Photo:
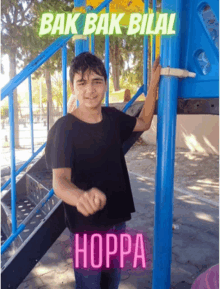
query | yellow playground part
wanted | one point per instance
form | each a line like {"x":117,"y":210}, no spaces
{"x":121,"y":6}
{"x":127,"y":7}
{"x":157,"y":44}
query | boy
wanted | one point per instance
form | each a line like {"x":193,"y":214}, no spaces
{"x":84,"y":149}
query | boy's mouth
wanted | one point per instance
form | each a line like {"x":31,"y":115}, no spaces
{"x":91,"y":97}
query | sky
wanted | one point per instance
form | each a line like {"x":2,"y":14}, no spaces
{"x":5,"y":77}
{"x":22,"y":88}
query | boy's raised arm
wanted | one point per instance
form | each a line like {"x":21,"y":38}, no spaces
{"x":146,"y":115}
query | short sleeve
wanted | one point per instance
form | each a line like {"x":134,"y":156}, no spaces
{"x":126,"y":124}
{"x":59,"y":149}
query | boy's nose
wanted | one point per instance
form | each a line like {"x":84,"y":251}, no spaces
{"x":90,"y":88}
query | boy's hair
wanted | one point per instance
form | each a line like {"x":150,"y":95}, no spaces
{"x":86,"y":61}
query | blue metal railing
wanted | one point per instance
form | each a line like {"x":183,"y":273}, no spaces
{"x":13,"y":177}
{"x":60,"y":43}
{"x":24,"y":165}
{"x":131,"y":101}
{"x":7,"y":90}
{"x":43,"y":57}
{"x":31,"y":114}
{"x":25,"y":221}
{"x":34,"y":65}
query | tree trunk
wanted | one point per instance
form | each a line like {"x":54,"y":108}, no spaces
{"x":114,"y":54}
{"x":49,"y":96}
{"x":12,"y":73}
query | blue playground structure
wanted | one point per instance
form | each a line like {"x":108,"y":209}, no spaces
{"x":195,"y":48}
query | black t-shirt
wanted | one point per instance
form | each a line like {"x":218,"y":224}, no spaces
{"x":94,"y":153}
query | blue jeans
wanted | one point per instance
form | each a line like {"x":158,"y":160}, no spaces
{"x":100,"y":279}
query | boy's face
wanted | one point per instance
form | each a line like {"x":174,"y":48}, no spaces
{"x":89,"y":90}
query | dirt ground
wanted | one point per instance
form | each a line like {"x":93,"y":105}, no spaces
{"x":195,"y":173}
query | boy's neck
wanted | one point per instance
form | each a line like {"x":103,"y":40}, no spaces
{"x":93,"y":115}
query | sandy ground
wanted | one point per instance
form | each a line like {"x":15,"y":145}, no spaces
{"x":195,"y":173}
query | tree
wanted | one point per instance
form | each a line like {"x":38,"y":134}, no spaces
{"x":57,"y":82}
{"x":16,"y":14}
{"x":36,"y":44}
{"x":126,"y":57}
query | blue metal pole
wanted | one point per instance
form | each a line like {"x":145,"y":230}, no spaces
{"x":13,"y":236}
{"x":80,"y":44}
{"x":166,"y":129}
{"x":154,"y":37}
{"x":107,"y":61}
{"x":64,"y":70}
{"x":102,"y":6}
{"x":93,"y":44}
{"x":13,"y":169}
{"x":145,"y":52}
{"x":86,"y":44}
{"x":31,"y":114}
